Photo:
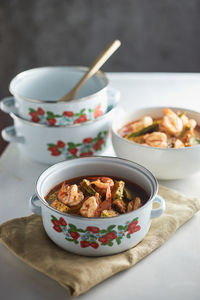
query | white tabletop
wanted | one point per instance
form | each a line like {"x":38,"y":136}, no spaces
{"x":171,"y":272}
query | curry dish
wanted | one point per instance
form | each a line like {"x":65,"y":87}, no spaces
{"x":173,"y":130}
{"x":96,"y":196}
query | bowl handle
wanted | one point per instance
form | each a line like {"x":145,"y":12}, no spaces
{"x":9,"y":135}
{"x":36,"y":209}
{"x":8,"y":105}
{"x":113,"y":94}
{"x":157,"y":212}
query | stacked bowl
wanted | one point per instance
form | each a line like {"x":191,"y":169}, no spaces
{"x":50,"y":131}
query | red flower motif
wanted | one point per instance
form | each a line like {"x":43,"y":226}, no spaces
{"x":73,"y":151}
{"x":51,"y":122}
{"x":34,"y":116}
{"x":84,"y":244}
{"x":89,"y":153}
{"x":87,"y":140}
{"x":54,"y":151}
{"x":104,"y":240}
{"x":40,"y":111}
{"x":68,"y":114}
{"x":111,"y":235}
{"x":57,"y":228}
{"x":98,"y":144}
{"x":133,"y":227}
{"x":81,"y":119}
{"x":74,"y":235}
{"x":55,"y":222}
{"x":98,"y":112}
{"x":62,"y":222}
{"x":60,"y":144}
{"x":92,"y":229}
{"x":94,"y":245}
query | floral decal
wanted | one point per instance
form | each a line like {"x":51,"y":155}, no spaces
{"x":66,"y":118}
{"x":73,"y":150}
{"x":94,"y":237}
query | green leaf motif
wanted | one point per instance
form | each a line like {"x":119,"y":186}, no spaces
{"x":82,"y":111}
{"x":72,"y":227}
{"x":51,"y":145}
{"x":128,"y":236}
{"x":110,"y":228}
{"x":54,"y":218}
{"x":103,"y":231}
{"x":120,"y":227}
{"x":70,"y":240}
{"x":110,"y":244}
{"x":135,"y":219}
{"x":32,"y":110}
{"x":71,"y":145}
{"x":81,"y":230}
{"x":118,"y":240}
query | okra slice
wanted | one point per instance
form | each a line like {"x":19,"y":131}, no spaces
{"x":148,"y":129}
{"x":85,"y":185}
{"x":109,"y":213}
{"x":53,"y":196}
{"x":127,"y":194}
{"x":118,"y":189}
{"x":60,"y":206}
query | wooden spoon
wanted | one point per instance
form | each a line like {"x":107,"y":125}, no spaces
{"x":101,"y":59}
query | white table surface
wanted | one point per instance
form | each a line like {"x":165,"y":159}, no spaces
{"x":171,"y":272}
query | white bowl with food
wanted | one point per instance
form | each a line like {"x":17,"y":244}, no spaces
{"x":164,"y":140}
{"x":89,"y":211}
{"x":36,"y":93}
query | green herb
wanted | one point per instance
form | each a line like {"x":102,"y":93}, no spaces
{"x":148,"y":129}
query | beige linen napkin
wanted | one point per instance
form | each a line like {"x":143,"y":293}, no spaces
{"x":28,"y":240}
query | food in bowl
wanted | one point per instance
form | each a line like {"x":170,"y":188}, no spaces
{"x":96,"y":196}
{"x":96,"y":236}
{"x":173,"y":130}
{"x":164,"y":163}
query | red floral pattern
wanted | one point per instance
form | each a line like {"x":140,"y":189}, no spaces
{"x":67,"y":117}
{"x":93,"y":236}
{"x":87,"y":147}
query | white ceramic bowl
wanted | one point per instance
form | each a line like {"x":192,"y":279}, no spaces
{"x":53,"y":144}
{"x":163,"y":163}
{"x":37,"y":91}
{"x":96,"y":236}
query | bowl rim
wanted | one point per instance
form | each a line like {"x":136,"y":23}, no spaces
{"x":144,"y":170}
{"x":112,"y":106}
{"x":43,"y":101}
{"x":151,"y":148}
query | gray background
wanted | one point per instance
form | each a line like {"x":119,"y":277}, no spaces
{"x":156,"y":35}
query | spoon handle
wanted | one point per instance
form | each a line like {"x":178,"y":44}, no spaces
{"x":100,"y":60}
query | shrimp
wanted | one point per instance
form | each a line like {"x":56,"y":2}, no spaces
{"x":192,"y":123}
{"x":102,"y":182}
{"x":90,"y":206}
{"x":70,"y":195}
{"x":156,"y":139}
{"x":144,"y":122}
{"x":188,"y":122}
{"x":171,"y":123}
